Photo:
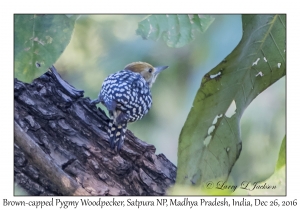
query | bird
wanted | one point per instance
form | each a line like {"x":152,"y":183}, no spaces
{"x":127,"y":96}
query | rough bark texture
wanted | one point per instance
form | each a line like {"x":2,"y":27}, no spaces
{"x":61,"y":146}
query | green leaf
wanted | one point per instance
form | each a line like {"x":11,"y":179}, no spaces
{"x":282,"y":155}
{"x":175,"y":30}
{"x":39,"y":41}
{"x":210,"y":141}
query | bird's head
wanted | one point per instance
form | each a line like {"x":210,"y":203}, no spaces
{"x":148,"y":72}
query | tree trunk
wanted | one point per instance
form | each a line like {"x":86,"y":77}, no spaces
{"x":61,"y":146}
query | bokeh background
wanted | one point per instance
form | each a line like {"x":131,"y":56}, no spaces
{"x":104,"y":44}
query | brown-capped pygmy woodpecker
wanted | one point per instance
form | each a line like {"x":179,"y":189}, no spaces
{"x":126,"y":95}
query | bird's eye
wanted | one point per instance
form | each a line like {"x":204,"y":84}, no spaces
{"x":150,"y":70}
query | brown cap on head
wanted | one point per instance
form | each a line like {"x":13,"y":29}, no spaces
{"x":148,"y":72}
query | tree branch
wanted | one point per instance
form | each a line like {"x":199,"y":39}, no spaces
{"x":61,"y":146}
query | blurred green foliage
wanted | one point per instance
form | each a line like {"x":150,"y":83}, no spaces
{"x":104,"y":44}
{"x":282,"y":155}
{"x":18,"y":190}
{"x":38,"y":42}
{"x":175,"y":30}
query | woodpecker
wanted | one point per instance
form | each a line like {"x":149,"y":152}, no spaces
{"x":126,"y":95}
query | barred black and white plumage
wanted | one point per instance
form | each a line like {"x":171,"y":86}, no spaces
{"x":126,"y":95}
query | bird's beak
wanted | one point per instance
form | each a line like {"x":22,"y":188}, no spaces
{"x":160,"y":69}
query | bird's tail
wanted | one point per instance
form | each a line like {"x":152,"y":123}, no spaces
{"x":116,"y":134}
